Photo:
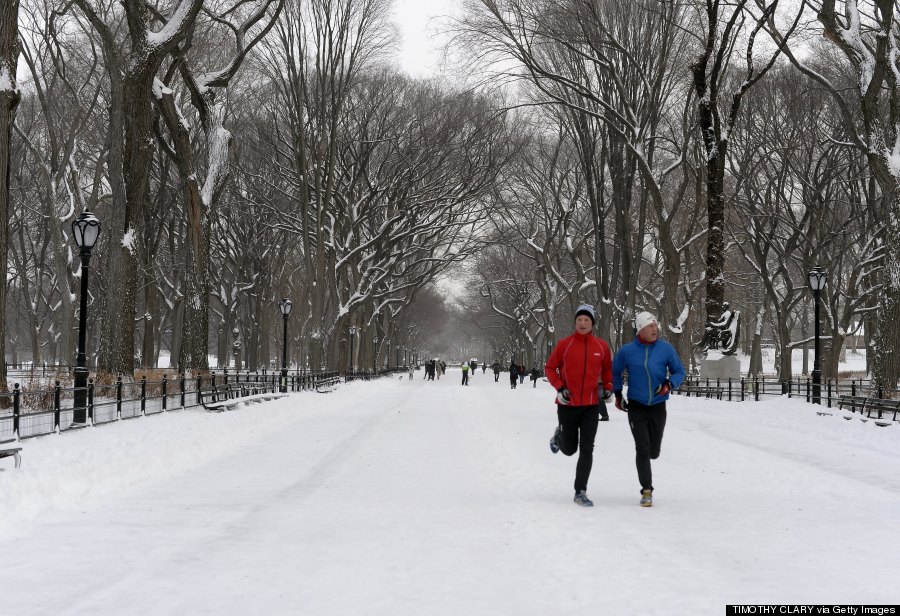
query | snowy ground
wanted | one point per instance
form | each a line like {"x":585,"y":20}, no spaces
{"x":854,"y":361}
{"x":428,"y":498}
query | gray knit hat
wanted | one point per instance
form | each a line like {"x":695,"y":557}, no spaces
{"x":588,"y":310}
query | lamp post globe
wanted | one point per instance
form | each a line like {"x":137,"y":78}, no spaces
{"x":285,"y":307}
{"x":817,"y":277}
{"x":85,"y":232}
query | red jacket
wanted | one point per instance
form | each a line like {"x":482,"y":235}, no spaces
{"x":580,"y":363}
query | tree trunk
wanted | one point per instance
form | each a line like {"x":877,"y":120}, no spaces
{"x":112,"y":268}
{"x":176,"y":342}
{"x":195,"y":350}
{"x":9,"y":99}
{"x":785,"y":367}
{"x":150,"y":312}
{"x":886,"y":341}
{"x":224,"y":328}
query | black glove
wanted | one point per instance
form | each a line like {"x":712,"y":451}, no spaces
{"x":621,"y":403}
{"x":664,"y":388}
{"x":605,"y":394}
{"x":563,"y":397}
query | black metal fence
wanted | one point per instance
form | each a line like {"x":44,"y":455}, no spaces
{"x":800,"y":387}
{"x":368,"y":375}
{"x":28,"y":413}
{"x":830,"y":392}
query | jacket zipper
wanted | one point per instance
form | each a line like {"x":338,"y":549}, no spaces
{"x":584,"y":369}
{"x":649,"y":381}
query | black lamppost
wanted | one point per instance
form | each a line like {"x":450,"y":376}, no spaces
{"x":817,"y":279}
{"x":85,"y":230}
{"x":375,"y":355}
{"x":399,"y":348}
{"x":285,"y":306}
{"x":352,"y":336}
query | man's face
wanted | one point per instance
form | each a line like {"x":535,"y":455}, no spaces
{"x":583,"y":324}
{"x":650,"y":333}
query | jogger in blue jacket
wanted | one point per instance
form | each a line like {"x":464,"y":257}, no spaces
{"x":654,"y":369}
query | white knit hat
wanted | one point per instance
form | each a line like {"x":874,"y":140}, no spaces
{"x":642,"y":320}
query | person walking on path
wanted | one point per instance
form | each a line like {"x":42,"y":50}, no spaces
{"x":654,"y":369}
{"x":513,"y":374}
{"x":496,"y":368}
{"x":465,"y":371}
{"x":535,"y":375}
{"x":576,"y":366}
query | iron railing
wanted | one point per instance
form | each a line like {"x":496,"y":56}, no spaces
{"x":29,"y":413}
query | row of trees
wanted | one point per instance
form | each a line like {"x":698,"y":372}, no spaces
{"x":236,"y":152}
{"x":635,"y":154}
{"x":685,"y":153}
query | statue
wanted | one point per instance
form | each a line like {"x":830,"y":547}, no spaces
{"x":723,"y":334}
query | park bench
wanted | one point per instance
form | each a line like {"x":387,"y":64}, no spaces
{"x":706,"y":391}
{"x":880,"y":407}
{"x":5,"y":453}
{"x":229,"y":396}
{"x":326,"y":386}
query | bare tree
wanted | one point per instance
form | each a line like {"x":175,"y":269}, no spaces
{"x":723,"y":27}
{"x":9,"y":99}
{"x":131,"y":74}
{"x":867,"y":34}
{"x":207,"y":95}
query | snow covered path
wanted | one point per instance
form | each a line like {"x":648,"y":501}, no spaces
{"x":394,"y":497}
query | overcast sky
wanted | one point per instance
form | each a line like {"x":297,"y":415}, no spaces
{"x":420,"y":22}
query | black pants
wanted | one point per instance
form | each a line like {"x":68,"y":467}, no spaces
{"x":647,"y":425}
{"x":512,"y":382}
{"x":579,"y":427}
{"x":465,"y":378}
{"x":496,"y":376}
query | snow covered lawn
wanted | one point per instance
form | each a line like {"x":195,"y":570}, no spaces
{"x":429,"y":498}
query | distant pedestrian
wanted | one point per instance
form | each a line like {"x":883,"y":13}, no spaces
{"x":535,"y":375}
{"x":513,"y":374}
{"x":465,"y":371}
{"x":496,"y":368}
{"x":654,"y":369}
{"x":483,"y":367}
{"x":522,"y":373}
{"x":575,"y":367}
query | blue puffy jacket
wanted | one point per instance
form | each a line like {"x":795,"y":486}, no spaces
{"x":648,"y":366}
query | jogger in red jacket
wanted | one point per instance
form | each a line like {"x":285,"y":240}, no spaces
{"x":580,"y":369}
